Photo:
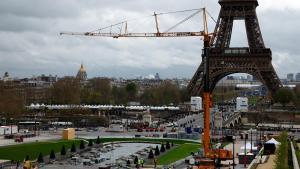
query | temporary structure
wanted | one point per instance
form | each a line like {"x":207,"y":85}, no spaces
{"x":68,"y":134}
{"x":272,"y":140}
{"x":248,"y":147}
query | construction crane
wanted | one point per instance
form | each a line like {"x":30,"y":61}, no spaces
{"x":207,"y":102}
{"x":123,"y":33}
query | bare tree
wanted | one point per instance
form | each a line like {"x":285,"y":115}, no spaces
{"x":66,"y":91}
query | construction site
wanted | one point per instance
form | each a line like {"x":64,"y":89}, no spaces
{"x":209,"y":131}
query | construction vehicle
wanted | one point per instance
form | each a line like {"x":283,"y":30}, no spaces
{"x":206,"y":162}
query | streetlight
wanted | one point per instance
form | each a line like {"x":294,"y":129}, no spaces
{"x":223,"y":104}
{"x":11,"y":126}
{"x":260,"y":135}
{"x":251,"y":139}
{"x":256,"y":135}
{"x":245,"y":151}
{"x":233,"y":140}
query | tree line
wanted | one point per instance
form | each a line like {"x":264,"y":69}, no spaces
{"x":11,"y":101}
{"x":287,"y":96}
{"x":101,"y":91}
{"x":70,"y":90}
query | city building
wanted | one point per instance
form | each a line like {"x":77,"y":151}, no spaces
{"x":196,"y":103}
{"x":30,"y":90}
{"x":157,"y":76}
{"x":6,"y":77}
{"x":297,"y":77}
{"x":242,"y":104}
{"x":44,"y":78}
{"x":81,"y":74}
{"x":36,"y":91}
{"x":249,"y":78}
{"x":290,"y":77}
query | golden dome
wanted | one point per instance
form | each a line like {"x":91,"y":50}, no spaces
{"x":81,"y":68}
{"x":81,"y":75}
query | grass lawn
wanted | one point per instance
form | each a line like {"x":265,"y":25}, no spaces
{"x":178,"y":153}
{"x":151,"y":140}
{"x":19,"y":152}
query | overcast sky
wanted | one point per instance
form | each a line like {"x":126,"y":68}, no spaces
{"x":30,"y":43}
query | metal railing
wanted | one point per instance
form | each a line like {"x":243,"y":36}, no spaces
{"x":295,"y":160}
{"x":240,"y":51}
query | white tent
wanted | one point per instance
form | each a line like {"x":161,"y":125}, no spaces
{"x":246,"y":153}
{"x":272,"y":140}
{"x":248,"y":147}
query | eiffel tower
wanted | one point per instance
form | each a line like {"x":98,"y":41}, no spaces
{"x":224,"y":60}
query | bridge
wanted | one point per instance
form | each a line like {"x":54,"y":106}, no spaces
{"x":232,"y":120}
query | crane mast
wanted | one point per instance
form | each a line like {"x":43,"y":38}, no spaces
{"x":206,"y":94}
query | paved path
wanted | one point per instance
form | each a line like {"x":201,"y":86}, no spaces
{"x":270,"y":164}
{"x":41,"y":137}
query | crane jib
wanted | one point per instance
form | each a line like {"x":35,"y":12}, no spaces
{"x":117,"y":35}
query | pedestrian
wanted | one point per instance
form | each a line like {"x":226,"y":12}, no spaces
{"x":18,"y":164}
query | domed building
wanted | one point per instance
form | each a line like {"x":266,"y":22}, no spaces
{"x":81,"y":75}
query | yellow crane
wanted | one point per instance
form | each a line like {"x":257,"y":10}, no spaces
{"x":123,"y":33}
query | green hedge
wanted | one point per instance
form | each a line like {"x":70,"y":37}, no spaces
{"x":297,"y":149}
{"x":151,"y":140}
{"x":282,"y":153}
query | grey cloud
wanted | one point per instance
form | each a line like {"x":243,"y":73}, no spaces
{"x":30,"y":44}
{"x":280,"y":31}
{"x":40,"y":8}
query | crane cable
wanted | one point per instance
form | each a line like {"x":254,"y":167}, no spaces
{"x":187,"y":10}
{"x":187,"y":18}
{"x":163,"y":13}
{"x":119,"y":23}
{"x":212,"y":18}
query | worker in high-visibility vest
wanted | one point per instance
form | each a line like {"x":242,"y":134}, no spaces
{"x":27,"y":164}
{"x":139,"y":163}
{"x":142,"y":162}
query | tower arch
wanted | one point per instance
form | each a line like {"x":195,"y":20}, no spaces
{"x":255,"y":59}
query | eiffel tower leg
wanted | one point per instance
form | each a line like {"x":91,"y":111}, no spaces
{"x":255,"y":59}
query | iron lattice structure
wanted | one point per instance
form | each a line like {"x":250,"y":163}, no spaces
{"x":224,"y":60}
